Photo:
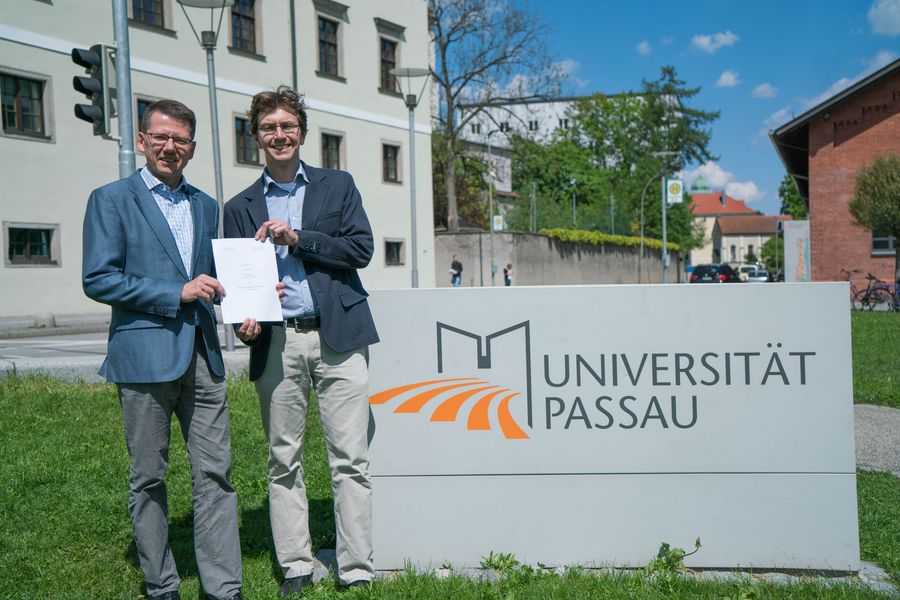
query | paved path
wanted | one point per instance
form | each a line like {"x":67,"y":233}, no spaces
{"x":877,"y":438}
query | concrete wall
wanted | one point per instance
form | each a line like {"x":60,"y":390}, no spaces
{"x":538,"y":259}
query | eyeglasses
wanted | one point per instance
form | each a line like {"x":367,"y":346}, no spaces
{"x":161,"y":139}
{"x":286,"y":128}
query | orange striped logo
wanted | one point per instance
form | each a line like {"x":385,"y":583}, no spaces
{"x":450,"y":395}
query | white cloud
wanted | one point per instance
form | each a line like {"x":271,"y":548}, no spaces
{"x":567,"y":68}
{"x":765,"y":90}
{"x":711,"y":43}
{"x":836,"y":87}
{"x":644,"y":47}
{"x":718,"y":178}
{"x":667,"y":40}
{"x":777,"y":118}
{"x":881,"y":59}
{"x":884,"y":17}
{"x":728,"y":79}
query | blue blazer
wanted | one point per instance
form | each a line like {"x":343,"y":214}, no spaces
{"x":131,"y":262}
{"x":335,"y":241}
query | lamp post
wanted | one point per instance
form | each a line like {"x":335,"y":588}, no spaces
{"x":491,"y":177}
{"x":412,"y":100}
{"x":574,"y":215}
{"x":207,"y":40}
{"x":641,"y":252}
{"x":665,"y":245}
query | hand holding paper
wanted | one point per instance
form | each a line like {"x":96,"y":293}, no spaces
{"x":247,"y":270}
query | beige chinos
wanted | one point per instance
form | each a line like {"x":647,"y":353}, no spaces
{"x":299,"y":362}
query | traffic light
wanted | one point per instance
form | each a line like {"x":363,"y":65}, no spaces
{"x":95,"y":86}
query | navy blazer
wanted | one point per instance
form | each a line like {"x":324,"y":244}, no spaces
{"x":131,"y":262}
{"x":335,"y":241}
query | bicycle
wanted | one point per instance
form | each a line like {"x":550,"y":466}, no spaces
{"x":854,"y":291}
{"x":879,"y":293}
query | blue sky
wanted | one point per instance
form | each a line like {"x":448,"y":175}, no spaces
{"x":760,"y":62}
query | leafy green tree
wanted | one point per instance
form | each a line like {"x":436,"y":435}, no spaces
{"x":609,"y":153}
{"x":470,"y":174}
{"x":876,"y":200}
{"x":771,"y":253}
{"x":485,"y":52}
{"x":792,"y":202}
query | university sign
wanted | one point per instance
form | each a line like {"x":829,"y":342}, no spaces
{"x":588,"y":424}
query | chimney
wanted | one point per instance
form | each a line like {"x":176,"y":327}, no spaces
{"x":723,"y":197}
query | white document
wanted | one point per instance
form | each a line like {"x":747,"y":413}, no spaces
{"x":248,"y":272}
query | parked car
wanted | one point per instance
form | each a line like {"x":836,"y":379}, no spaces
{"x":758,"y":276}
{"x":745,"y":269}
{"x":714,"y":273}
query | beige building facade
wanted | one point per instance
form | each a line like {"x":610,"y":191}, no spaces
{"x":50,"y":161}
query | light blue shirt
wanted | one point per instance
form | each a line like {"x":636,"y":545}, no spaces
{"x":177,"y":211}
{"x":285,"y":201}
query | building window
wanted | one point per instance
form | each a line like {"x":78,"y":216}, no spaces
{"x":148,"y":12}
{"x":23,"y":105}
{"x":563,"y":123}
{"x":733,"y":253}
{"x":883,"y":244}
{"x":532,"y":125}
{"x":394,"y":252}
{"x":504,"y":127}
{"x":476,"y":127}
{"x":390,"y":164}
{"x":32,"y":244}
{"x":328,"y":46}
{"x":142,"y":105}
{"x":246,"y":150}
{"x":243,"y":25}
{"x":331,"y":151}
{"x":388,"y":62}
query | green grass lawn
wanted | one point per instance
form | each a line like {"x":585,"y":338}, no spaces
{"x":876,"y":358}
{"x":65,"y":532}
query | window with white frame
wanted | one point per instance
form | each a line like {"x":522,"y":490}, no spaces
{"x":394,"y":252}
{"x":243,"y":25}
{"x":331,"y":151}
{"x":24,"y":105}
{"x":390,"y":157}
{"x":883,"y":245}
{"x":31,"y":244}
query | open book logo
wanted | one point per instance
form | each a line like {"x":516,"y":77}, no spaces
{"x":485,"y":372}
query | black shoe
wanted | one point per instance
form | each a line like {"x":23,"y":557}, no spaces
{"x":167,"y":596}
{"x":294,"y":585}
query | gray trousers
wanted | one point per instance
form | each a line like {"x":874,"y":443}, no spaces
{"x":198,"y":401}
{"x":298,"y":362}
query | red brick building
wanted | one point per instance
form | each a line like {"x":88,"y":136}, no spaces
{"x":823,"y":150}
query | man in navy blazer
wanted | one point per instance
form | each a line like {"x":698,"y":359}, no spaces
{"x":316,"y":220}
{"x":148,"y":254}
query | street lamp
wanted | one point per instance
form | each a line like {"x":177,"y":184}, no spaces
{"x":492,"y":176}
{"x":665,"y":245}
{"x":574,"y":216}
{"x":411,"y":101}
{"x":207,"y":40}
{"x":641,"y":253}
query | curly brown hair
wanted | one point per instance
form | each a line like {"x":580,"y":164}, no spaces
{"x":284,"y":97}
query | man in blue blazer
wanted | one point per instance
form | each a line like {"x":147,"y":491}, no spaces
{"x":148,"y":254}
{"x":316,"y":220}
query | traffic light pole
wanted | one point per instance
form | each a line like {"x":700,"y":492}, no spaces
{"x":123,"y":88}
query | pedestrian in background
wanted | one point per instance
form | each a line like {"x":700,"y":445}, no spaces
{"x":456,"y":270}
{"x":507,"y":275}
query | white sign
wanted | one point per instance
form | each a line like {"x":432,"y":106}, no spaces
{"x":588,"y":424}
{"x":498,"y":223}
{"x":674,"y":191}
